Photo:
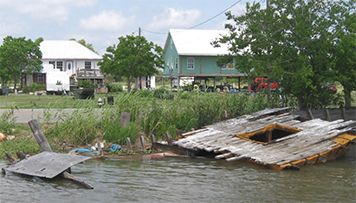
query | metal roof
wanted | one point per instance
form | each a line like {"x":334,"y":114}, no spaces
{"x":66,"y":49}
{"x":198,"y":42}
{"x":46,"y":164}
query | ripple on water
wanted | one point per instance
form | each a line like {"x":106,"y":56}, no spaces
{"x":188,"y":180}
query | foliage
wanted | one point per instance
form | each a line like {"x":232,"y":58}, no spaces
{"x":291,"y":41}
{"x":114,"y":87}
{"x":86,"y":84}
{"x":19,"y":56}
{"x":344,"y":46}
{"x":34,"y":87}
{"x":132,"y":57}
{"x":115,"y":133}
{"x":80,"y":128}
{"x":163,"y":93}
{"x":7,"y":122}
{"x":23,"y":144}
{"x":86,"y":44}
{"x":150,"y":114}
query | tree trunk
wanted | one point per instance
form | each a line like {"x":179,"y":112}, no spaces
{"x":347,"y":97}
{"x":129,"y":84}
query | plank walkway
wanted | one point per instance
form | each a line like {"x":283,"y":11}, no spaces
{"x":316,"y":140}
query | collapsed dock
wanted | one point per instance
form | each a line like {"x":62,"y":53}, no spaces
{"x":275,"y":138}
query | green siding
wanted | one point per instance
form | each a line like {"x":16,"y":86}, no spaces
{"x":204,"y":65}
{"x":170,"y":56}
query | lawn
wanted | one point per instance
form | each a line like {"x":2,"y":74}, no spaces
{"x":23,"y":101}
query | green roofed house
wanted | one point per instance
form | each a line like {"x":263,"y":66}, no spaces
{"x":190,"y":53}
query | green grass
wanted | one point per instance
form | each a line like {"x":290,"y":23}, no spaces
{"x":23,"y":101}
{"x":155,"y":112}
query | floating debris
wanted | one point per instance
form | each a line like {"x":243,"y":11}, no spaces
{"x":273,"y":137}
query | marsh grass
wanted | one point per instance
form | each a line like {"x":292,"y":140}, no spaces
{"x":151,"y":113}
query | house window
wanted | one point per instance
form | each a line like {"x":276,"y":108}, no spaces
{"x":176,"y":63}
{"x":190,"y":63}
{"x":87,"y":65}
{"x":53,"y":63}
{"x":60,"y":65}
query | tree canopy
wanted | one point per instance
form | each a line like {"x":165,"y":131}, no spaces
{"x":291,"y":41}
{"x":86,"y":44}
{"x":132,"y":57}
{"x":19,"y":56}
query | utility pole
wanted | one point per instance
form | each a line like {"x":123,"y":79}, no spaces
{"x":139,"y":78}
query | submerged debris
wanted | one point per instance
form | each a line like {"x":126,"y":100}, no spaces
{"x":274,"y":138}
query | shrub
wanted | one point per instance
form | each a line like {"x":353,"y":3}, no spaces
{"x":34,"y":87}
{"x":114,"y":87}
{"x":7,"y":122}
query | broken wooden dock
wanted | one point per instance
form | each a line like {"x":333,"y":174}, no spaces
{"x":273,"y":137}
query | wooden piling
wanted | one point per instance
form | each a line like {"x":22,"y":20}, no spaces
{"x":142,"y":142}
{"x":39,"y":136}
{"x":327,"y":115}
{"x":129,"y":145}
{"x":310,"y":114}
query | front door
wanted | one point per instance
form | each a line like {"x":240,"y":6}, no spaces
{"x":69,"y":66}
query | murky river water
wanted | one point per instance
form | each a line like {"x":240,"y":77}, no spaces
{"x":189,"y":180}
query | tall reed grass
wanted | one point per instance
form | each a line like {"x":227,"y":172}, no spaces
{"x":153,"y":113}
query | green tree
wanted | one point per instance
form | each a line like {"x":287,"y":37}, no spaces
{"x":84,"y":43}
{"x":19,"y":56}
{"x":132,"y":57}
{"x":345,"y":46}
{"x":290,"y":42}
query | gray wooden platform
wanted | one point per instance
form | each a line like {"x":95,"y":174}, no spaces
{"x":46,"y":164}
{"x":222,"y":139}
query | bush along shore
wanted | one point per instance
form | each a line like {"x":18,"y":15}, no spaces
{"x":158,"y":112}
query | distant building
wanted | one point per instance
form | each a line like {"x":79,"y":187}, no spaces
{"x":64,"y":63}
{"x":190,"y":53}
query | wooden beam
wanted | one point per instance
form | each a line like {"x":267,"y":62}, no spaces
{"x":39,"y":136}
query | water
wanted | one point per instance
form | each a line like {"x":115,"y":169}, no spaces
{"x":189,"y":180}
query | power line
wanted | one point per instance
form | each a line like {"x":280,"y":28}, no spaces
{"x":153,"y":32}
{"x":215,"y":16}
{"x":199,"y":24}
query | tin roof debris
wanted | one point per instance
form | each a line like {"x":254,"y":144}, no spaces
{"x":273,"y":137}
{"x":46,"y":164}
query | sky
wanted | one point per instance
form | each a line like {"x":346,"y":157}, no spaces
{"x":101,"y":22}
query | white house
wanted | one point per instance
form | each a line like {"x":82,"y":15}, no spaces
{"x":64,"y":62}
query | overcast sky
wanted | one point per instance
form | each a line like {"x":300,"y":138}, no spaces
{"x":101,"y":22}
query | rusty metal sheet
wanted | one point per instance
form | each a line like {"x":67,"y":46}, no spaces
{"x":46,"y":164}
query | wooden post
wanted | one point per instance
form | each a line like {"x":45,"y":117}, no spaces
{"x":153,"y":141}
{"x":343,"y":113}
{"x":124,"y":119}
{"x":327,"y":115}
{"x":142,"y":141}
{"x":310,"y":114}
{"x":128,"y":142}
{"x":39,"y":136}
{"x":169,"y":138}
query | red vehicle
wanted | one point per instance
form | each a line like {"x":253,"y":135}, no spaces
{"x":261,"y":83}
